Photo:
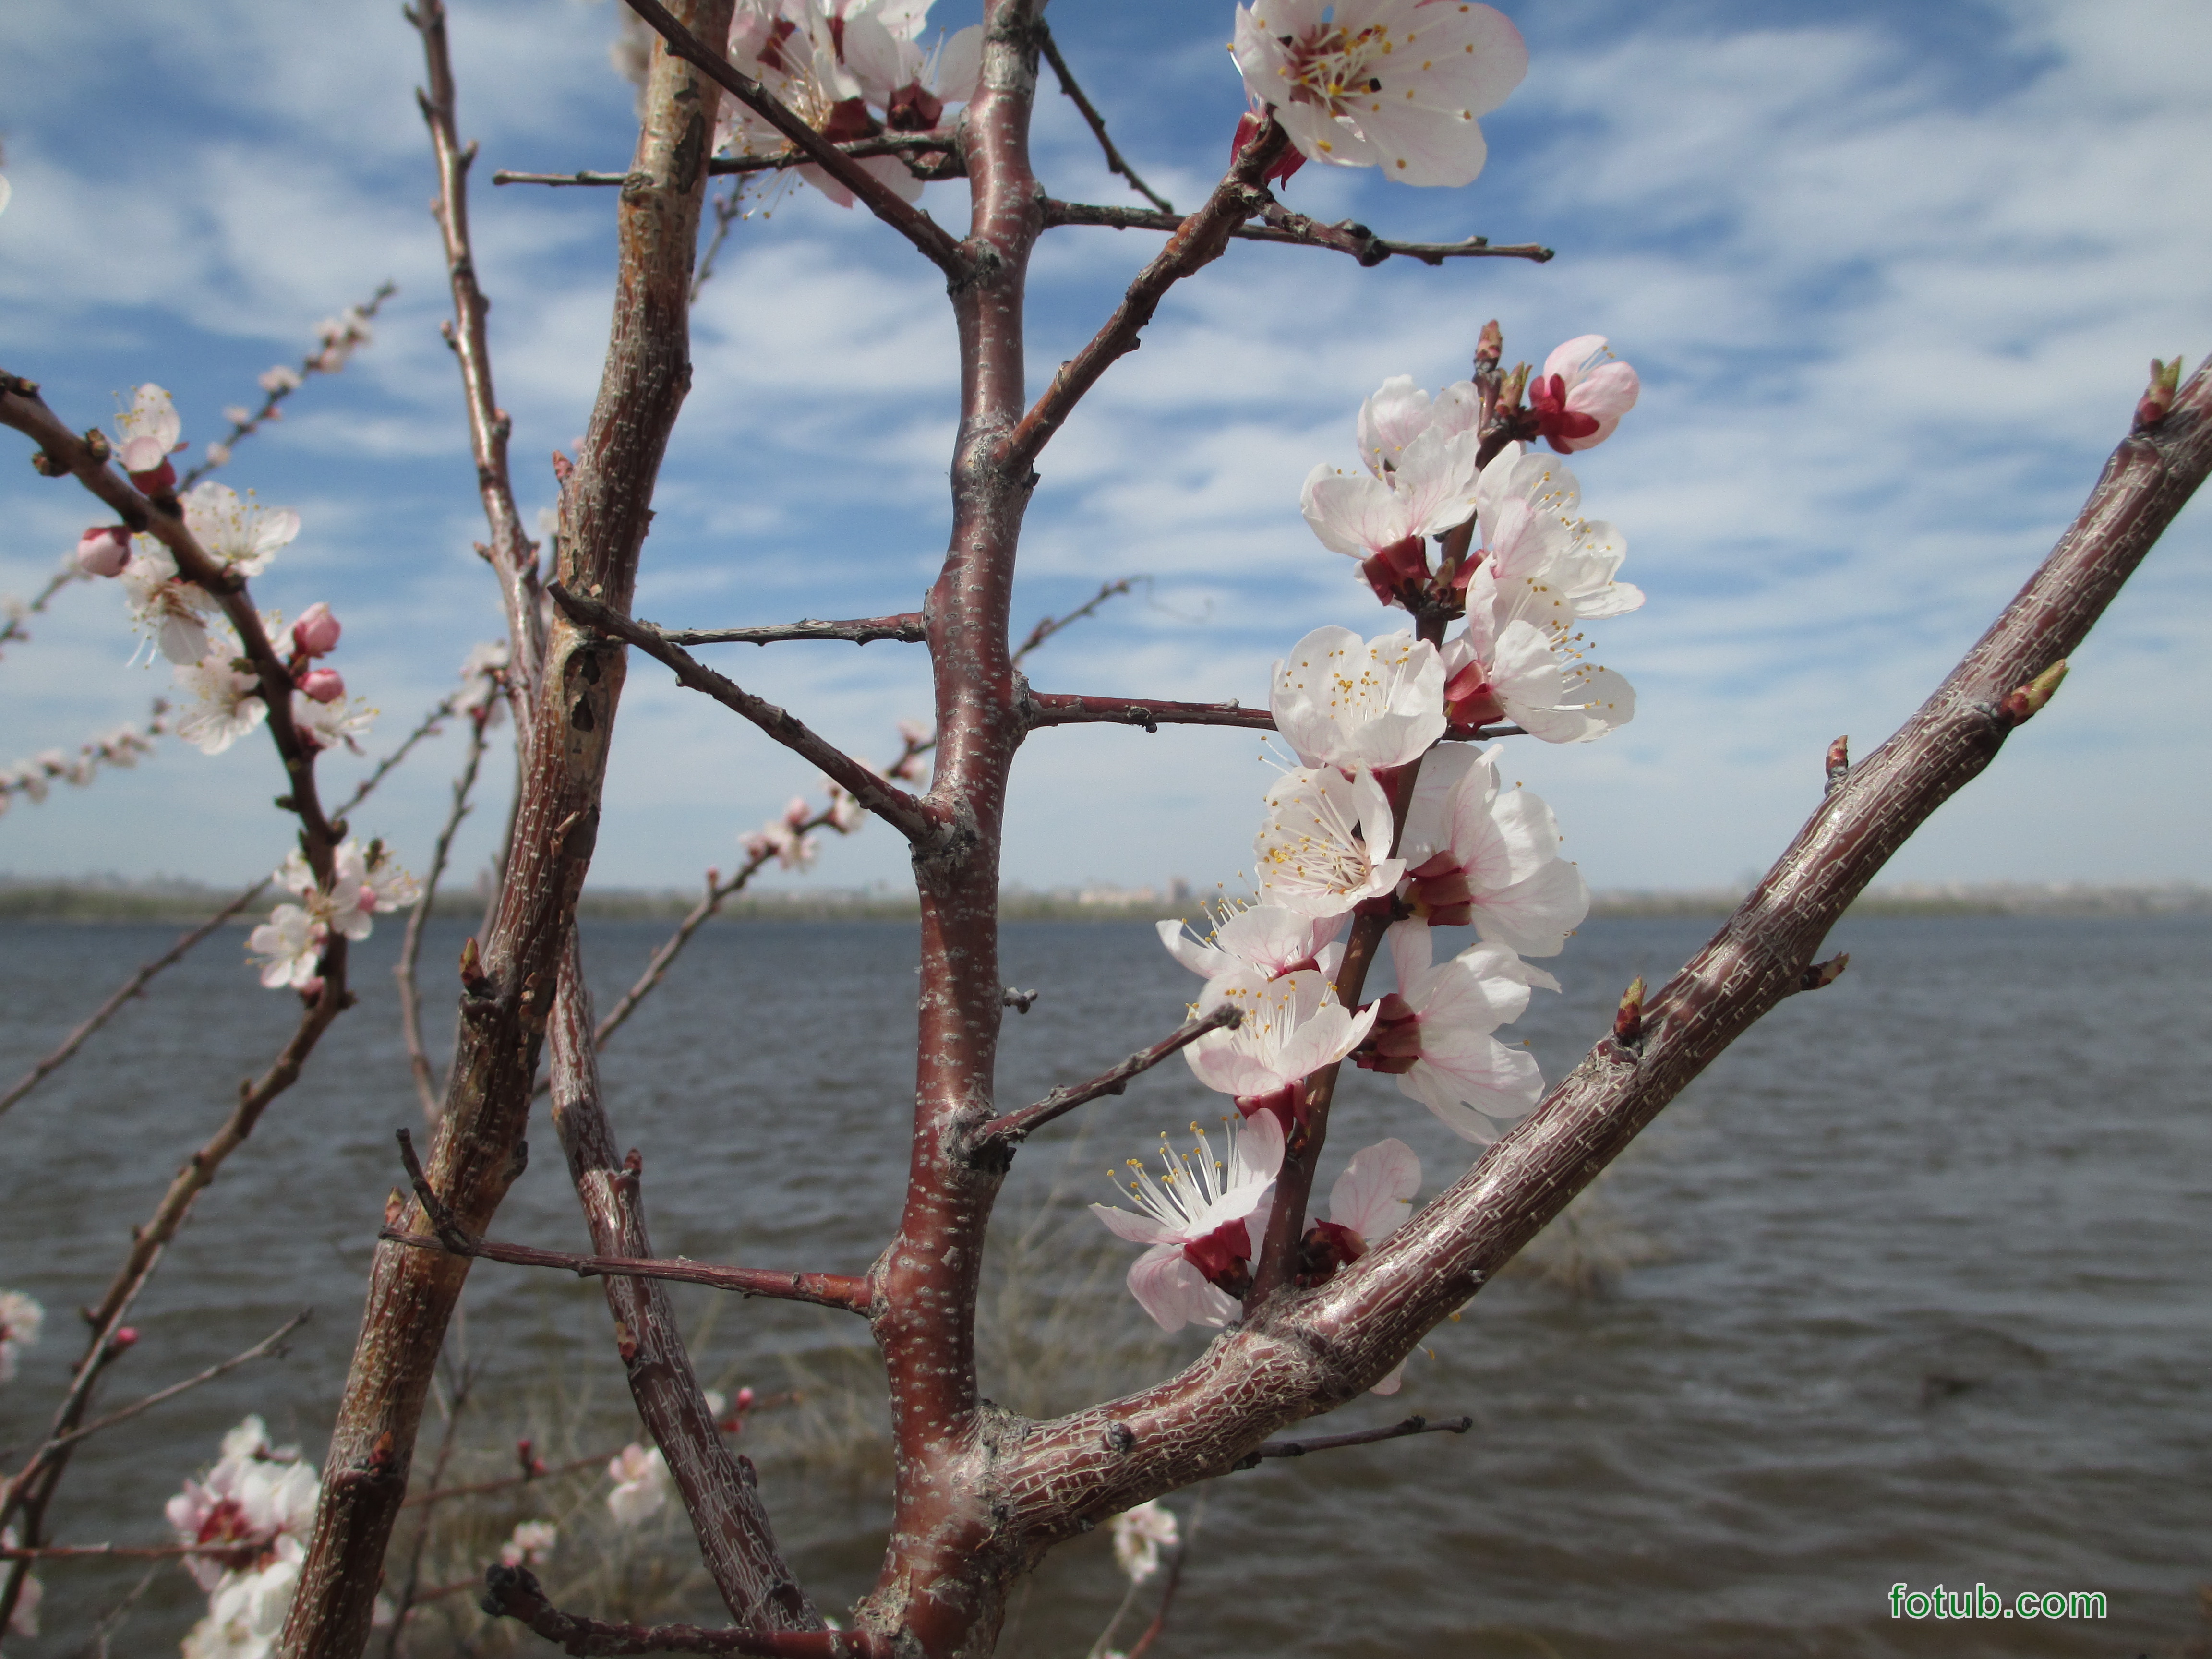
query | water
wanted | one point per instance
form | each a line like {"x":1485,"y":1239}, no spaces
{"x":1911,"y":1287}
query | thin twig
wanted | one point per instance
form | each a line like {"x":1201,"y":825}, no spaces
{"x":11,"y":631}
{"x":429,"y":726}
{"x":418,"y":918}
{"x":940,"y":245}
{"x":906,"y":626}
{"x":843,"y":1291}
{"x":1197,"y":242}
{"x":729,"y":208}
{"x":724,"y":166}
{"x":886,"y":800}
{"x":514,"y":1593}
{"x":1014,"y":1126}
{"x":1279,"y":224}
{"x":119,"y":1551}
{"x":1115,"y":161}
{"x":315,"y":362}
{"x":1060,"y":708}
{"x":270,"y":1344}
{"x":1364,"y":1438}
{"x":1049,"y":626}
{"x":123,"y":993}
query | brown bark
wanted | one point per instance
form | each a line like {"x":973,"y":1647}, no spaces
{"x":604,"y":516}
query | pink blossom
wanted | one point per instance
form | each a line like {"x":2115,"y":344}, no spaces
{"x":316,"y":633}
{"x":1582,"y":394}
{"x":104,"y":550}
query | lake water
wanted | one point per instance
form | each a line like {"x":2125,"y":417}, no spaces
{"x":1911,"y":1287}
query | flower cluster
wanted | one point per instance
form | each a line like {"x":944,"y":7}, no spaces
{"x":21,"y":1319}
{"x":1392,"y":815}
{"x":850,"y":69}
{"x":288,"y":947}
{"x":247,"y":1517}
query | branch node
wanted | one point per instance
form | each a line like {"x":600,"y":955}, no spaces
{"x":1822,"y":974}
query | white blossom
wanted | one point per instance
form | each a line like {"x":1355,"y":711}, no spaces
{"x":1478,"y":855}
{"x":530,"y":1544}
{"x":1291,"y":1027}
{"x":1394,"y":83}
{"x":1270,"y":937}
{"x":148,"y":431}
{"x":22,"y":1318}
{"x":1340,"y":700}
{"x":640,"y":1489}
{"x":222,"y":702}
{"x":1434,"y":1032}
{"x":1194,"y":1221}
{"x":1140,"y":1535}
{"x":1326,"y":842}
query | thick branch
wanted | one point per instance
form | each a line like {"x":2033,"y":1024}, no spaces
{"x":1062,"y":708}
{"x":910,"y":221}
{"x":906,"y":626}
{"x":1197,"y":242}
{"x":1279,"y":224}
{"x":1015,"y":1126}
{"x":887,"y":801}
{"x":1308,"y":1351}
{"x":514,"y":1593}
{"x":1115,"y":161}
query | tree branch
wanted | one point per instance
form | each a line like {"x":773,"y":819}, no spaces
{"x":1197,"y":242}
{"x":1252,"y":1459}
{"x":722,"y":166}
{"x":909,"y":817}
{"x":910,"y":221}
{"x":1115,"y":161}
{"x":270,"y":1344}
{"x":1279,"y":224}
{"x":1308,"y":1351}
{"x":514,"y":1593}
{"x":1014,"y":1127}
{"x":1049,"y":626}
{"x":123,"y":993}
{"x":511,"y":553}
{"x":418,"y":918}
{"x":1044,"y":709}
{"x":906,"y":626}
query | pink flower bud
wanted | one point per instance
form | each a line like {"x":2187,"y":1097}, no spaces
{"x":103,"y":551}
{"x":797,"y":812}
{"x":127,"y":1336}
{"x":316,"y":633}
{"x":745,"y":1398}
{"x":323,"y":684}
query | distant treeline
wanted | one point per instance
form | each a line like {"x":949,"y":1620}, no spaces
{"x":116,"y":901}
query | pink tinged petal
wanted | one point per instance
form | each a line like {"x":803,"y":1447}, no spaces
{"x":960,"y":64}
{"x":1175,"y":1293}
{"x":104,"y":550}
{"x":1392,"y":1381}
{"x":1259,"y":1154}
{"x":1471,"y":1094}
{"x":1136,"y":1228}
{"x":1392,"y":417}
{"x":1373,"y":1194}
{"x":1534,"y":915}
{"x":1412,"y":947}
{"x":1204,"y":960}
{"x":143,"y":454}
{"x":1428,"y":814}
{"x":1351,"y":512}
{"x":1572,"y":361}
{"x":1608,"y":392}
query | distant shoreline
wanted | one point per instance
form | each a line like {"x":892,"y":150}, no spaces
{"x":117,"y":901}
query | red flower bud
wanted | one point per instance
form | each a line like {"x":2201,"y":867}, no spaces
{"x":323,"y":684}
{"x":316,"y":633}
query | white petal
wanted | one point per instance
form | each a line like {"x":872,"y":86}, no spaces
{"x":1374,"y":1194}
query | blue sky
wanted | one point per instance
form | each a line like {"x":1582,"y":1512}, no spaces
{"x":1891,"y":274}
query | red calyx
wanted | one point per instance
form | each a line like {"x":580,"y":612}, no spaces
{"x":1469,"y":701}
{"x":1327,"y":1247}
{"x":156,"y":482}
{"x":1548,"y":398}
{"x":1278,"y":170}
{"x":913,"y":109}
{"x":1393,"y":1043}
{"x":850,"y":120}
{"x":771,"y":55}
{"x":1221,"y":1255}
{"x":1398,"y":571}
{"x":1440,"y":895}
{"x":1286,"y":1103}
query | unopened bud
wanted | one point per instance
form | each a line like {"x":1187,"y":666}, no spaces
{"x":2158,"y":398}
{"x":1628,"y":1018}
{"x":316,"y":633}
{"x":1490,"y":347}
{"x":125,"y":1337}
{"x":1840,"y":761}
{"x":1823,"y":973}
{"x":2026,"y":703}
{"x":474,"y":980}
{"x":745,"y":1398}
{"x":323,"y":684}
{"x":1515,"y":384}
{"x":103,"y":551}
